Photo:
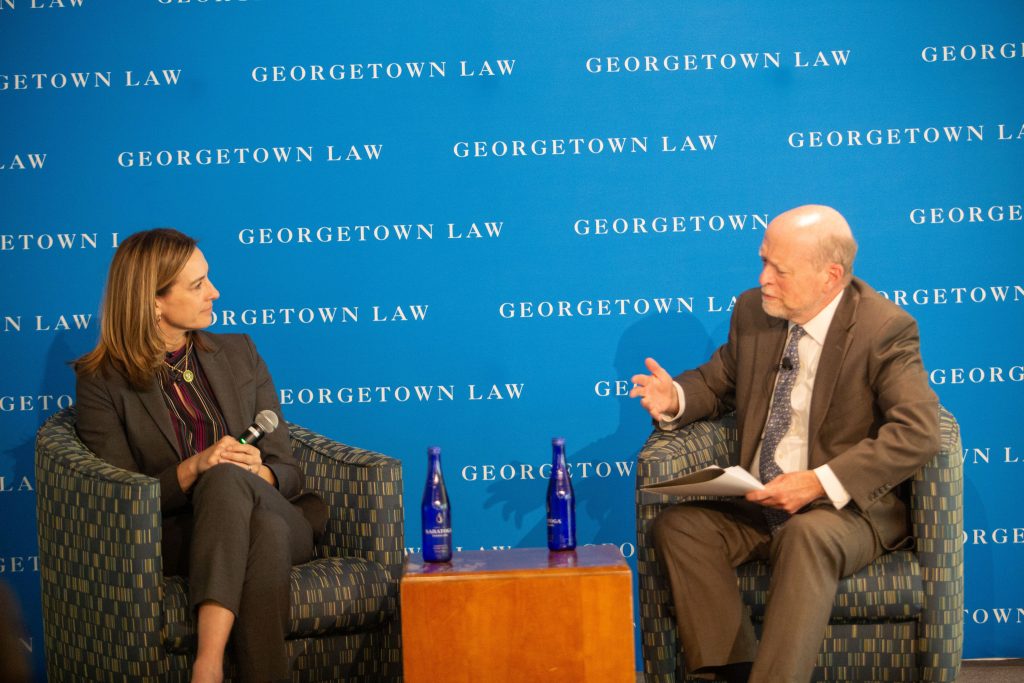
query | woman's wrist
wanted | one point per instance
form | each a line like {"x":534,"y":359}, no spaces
{"x":188,"y":472}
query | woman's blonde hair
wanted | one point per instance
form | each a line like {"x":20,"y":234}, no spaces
{"x":144,"y":266}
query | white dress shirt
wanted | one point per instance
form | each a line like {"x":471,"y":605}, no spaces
{"x":792,"y":451}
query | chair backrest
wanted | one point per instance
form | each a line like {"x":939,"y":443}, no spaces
{"x":363,"y":491}
{"x":99,"y":555}
{"x":937,"y":518}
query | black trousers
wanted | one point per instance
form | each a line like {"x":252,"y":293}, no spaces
{"x":243,"y":539}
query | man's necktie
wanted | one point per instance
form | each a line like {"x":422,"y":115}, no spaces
{"x":779,"y":419}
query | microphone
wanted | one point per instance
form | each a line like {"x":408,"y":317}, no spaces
{"x":787,"y":363}
{"x":264,"y":423}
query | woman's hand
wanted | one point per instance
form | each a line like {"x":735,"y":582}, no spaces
{"x":229,"y":450}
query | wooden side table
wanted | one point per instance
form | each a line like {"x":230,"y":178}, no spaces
{"x":517,"y":616}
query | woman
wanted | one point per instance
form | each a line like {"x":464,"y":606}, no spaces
{"x":159,"y":396}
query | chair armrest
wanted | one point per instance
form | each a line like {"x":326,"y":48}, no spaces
{"x":937,"y":519}
{"x":667,"y":455}
{"x":363,"y":491}
{"x":101,"y":569}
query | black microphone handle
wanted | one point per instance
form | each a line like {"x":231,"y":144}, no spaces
{"x":252,"y":435}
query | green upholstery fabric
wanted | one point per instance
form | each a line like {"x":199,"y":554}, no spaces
{"x":110,"y":615}
{"x":898,"y":619}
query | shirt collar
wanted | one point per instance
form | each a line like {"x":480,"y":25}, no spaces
{"x":817,"y":327}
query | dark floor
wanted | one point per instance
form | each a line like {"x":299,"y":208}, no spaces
{"x":992,"y":671}
{"x":975,"y":671}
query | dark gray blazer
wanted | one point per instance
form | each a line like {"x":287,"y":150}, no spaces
{"x":874,"y":419}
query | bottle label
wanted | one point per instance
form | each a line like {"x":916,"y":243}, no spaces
{"x":561,"y":528}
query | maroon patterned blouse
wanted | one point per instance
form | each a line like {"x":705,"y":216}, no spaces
{"x":197,"y":418}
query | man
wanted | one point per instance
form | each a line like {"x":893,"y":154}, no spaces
{"x":833,"y":410}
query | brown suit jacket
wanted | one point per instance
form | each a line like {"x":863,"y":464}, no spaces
{"x":873,"y":419}
{"x":132,"y":429}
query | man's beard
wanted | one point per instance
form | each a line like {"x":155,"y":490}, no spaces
{"x":775,"y":308}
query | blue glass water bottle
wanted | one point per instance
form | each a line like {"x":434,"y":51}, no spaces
{"x":561,"y":501}
{"x":437,"y":512}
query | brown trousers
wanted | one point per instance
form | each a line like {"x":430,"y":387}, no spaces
{"x":701,"y":544}
{"x":243,"y":539}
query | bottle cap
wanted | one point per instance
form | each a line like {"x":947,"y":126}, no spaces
{"x":434,"y":450}
{"x":558,"y":441}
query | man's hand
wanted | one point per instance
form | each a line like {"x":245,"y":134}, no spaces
{"x":789,"y":492}
{"x":657,"y":391}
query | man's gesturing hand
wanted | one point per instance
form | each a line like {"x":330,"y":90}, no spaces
{"x":657,"y":391}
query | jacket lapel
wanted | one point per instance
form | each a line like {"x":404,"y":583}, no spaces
{"x":837,"y":342}
{"x":218,"y":374}
{"x":153,"y":401}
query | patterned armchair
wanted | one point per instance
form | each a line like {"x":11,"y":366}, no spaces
{"x":110,"y":615}
{"x":898,"y":619}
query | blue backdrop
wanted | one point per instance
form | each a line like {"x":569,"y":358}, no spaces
{"x":468,"y":225}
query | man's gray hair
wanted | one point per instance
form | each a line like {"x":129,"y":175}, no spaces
{"x":838,"y":247}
